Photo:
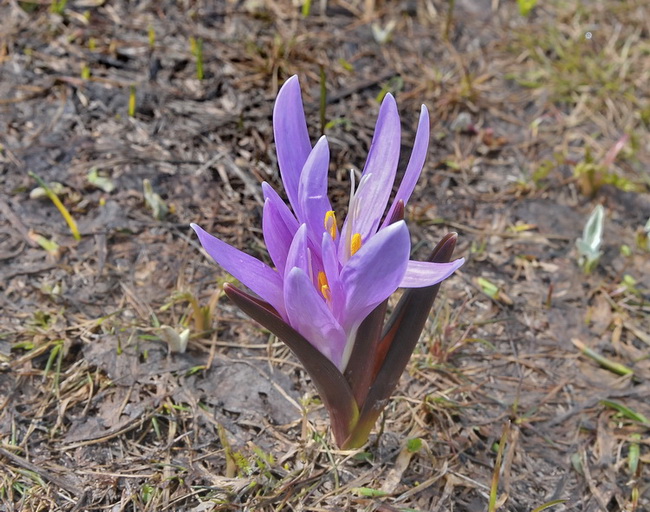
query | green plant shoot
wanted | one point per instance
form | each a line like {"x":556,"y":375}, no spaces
{"x":592,"y":236}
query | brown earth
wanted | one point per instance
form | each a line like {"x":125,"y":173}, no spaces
{"x":505,"y":391}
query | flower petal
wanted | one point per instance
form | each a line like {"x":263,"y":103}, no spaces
{"x":312,"y":190}
{"x":416,"y":162}
{"x":253,"y":273}
{"x":424,"y":273}
{"x":277,"y":235}
{"x":374,"y":272}
{"x":332,"y":386}
{"x":298,"y":255}
{"x":288,"y":217}
{"x":291,"y":138}
{"x":291,"y":225}
{"x":382,"y":164}
{"x":309,"y":315}
{"x":332,"y":271}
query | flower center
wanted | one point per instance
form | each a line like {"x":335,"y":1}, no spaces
{"x":353,"y":240}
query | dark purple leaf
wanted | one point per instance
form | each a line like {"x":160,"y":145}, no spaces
{"x":329,"y":381}
{"x":400,"y":336}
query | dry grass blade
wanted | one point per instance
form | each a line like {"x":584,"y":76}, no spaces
{"x":42,"y":472}
{"x":493,"y":504}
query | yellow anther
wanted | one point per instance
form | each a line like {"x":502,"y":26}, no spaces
{"x":355,"y":244}
{"x":330,"y":223}
{"x":323,"y":285}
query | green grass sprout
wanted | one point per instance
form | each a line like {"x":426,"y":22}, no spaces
{"x":151,"y":35}
{"x":494,"y":488}
{"x":608,"y":364}
{"x":55,"y":359}
{"x":201,"y":315}
{"x":49,"y":245}
{"x":58,"y":6}
{"x":626,"y":411}
{"x":177,"y":342}
{"x":634,"y":454}
{"x":548,"y":505}
{"x":414,"y":445}
{"x":393,"y":85}
{"x":132,"y":101}
{"x":588,"y":245}
{"x":346,"y":123}
{"x":346,"y":64}
{"x":59,"y":205}
{"x":101,"y":182}
{"x":306,"y":8}
{"x":196,"y":47}
{"x":643,"y":236}
{"x":383,"y":35}
{"x":368,"y":492}
{"x":526,"y":6}
{"x":154,"y":201}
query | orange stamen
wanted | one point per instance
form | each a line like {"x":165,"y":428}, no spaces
{"x":355,"y":244}
{"x":323,"y":285}
{"x":330,"y":224}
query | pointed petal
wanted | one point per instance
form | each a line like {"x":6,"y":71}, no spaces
{"x":253,"y":273}
{"x":401,"y":334}
{"x":329,"y":381}
{"x":291,"y":226}
{"x":309,"y":315}
{"x":382,"y":164}
{"x":298,"y":256}
{"x":312,"y":190}
{"x":291,"y":138}
{"x":277,"y":235}
{"x":287,"y":215}
{"x":332,"y":272}
{"x":374,"y":272}
{"x":278,"y":225}
{"x":424,"y":273}
{"x":415,"y":165}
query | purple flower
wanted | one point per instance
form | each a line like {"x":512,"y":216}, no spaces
{"x":331,"y":282}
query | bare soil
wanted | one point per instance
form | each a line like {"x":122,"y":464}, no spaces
{"x":506,"y":391}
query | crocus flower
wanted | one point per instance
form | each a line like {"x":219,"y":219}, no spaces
{"x":326,"y":296}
